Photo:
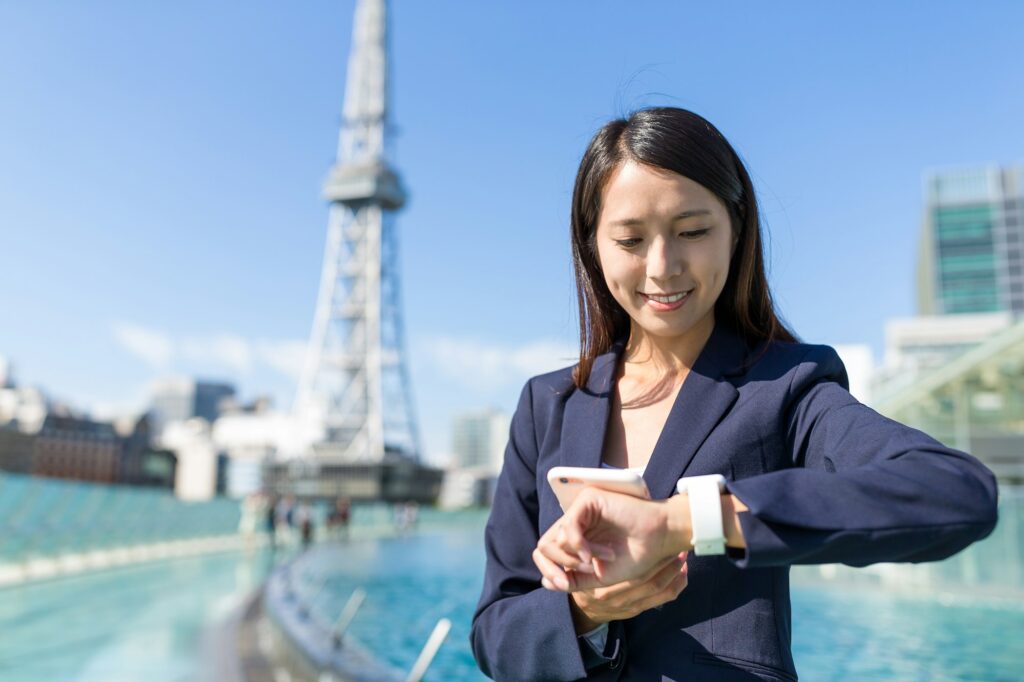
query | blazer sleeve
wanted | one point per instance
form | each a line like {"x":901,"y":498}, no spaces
{"x":863,"y":488}
{"x":521,"y":631}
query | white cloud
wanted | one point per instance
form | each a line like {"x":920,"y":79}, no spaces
{"x":284,"y":356}
{"x":482,"y":365}
{"x":155,"y":348}
{"x":226,"y":351}
{"x":221,"y":350}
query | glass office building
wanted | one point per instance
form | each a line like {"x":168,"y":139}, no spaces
{"x":972,"y":242}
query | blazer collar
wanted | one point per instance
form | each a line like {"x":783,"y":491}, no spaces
{"x":704,"y":398}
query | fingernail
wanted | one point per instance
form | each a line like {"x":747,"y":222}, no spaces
{"x":605,"y":553}
{"x":585,"y":556}
{"x":546,"y":584}
{"x":562,"y":583}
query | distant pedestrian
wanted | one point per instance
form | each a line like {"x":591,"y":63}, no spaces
{"x":405,"y":516}
{"x":304,"y":521}
{"x":249,"y":519}
{"x":339,"y":517}
{"x":270,"y":519}
{"x":283,"y":512}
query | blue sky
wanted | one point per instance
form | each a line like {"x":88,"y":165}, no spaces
{"x":160,"y":171}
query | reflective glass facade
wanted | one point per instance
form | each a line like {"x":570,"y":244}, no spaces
{"x":971,"y":253}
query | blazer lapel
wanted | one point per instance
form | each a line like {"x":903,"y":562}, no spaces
{"x":585,"y":419}
{"x":704,"y":398}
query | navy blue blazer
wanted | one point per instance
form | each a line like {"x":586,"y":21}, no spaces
{"x":826,"y":479}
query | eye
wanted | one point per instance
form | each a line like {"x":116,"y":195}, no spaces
{"x":628,"y":243}
{"x":695,"y":234}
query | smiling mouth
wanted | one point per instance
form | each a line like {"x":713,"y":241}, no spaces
{"x":667,"y":298}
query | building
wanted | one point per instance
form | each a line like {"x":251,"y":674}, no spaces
{"x":43,"y":439}
{"x":920,"y":343}
{"x":6,"y":373}
{"x":250,"y":438}
{"x":973,"y":401}
{"x":478,"y":447}
{"x":16,"y":448}
{"x":177,"y":399}
{"x":198,"y":474}
{"x":77,"y":448}
{"x":971,"y":257}
{"x":957,"y":371}
{"x":141,"y":463}
{"x":478,"y":440}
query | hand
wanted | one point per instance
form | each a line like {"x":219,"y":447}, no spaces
{"x":628,"y":598}
{"x":605,"y":538}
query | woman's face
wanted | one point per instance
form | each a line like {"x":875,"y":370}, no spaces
{"x":664,"y":243}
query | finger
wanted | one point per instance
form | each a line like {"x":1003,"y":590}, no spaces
{"x":572,"y":532}
{"x":666,"y":575}
{"x":632,"y":590}
{"x":554,"y":551}
{"x":616,"y":593}
{"x":676,"y":587}
{"x":658,"y":583}
{"x":584,"y":581}
{"x":584,"y":514}
{"x":586,"y":564}
{"x":551,"y":572}
{"x":601,"y":551}
{"x":605,"y":569}
{"x":670,"y":593}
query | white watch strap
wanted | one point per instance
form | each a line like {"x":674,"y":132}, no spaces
{"x":705,"y":494}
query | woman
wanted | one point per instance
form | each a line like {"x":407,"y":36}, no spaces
{"x":685,"y":371}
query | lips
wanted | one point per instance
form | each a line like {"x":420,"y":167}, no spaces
{"x":666,"y":302}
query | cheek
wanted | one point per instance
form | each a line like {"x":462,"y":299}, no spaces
{"x":617,"y":270}
{"x":714,"y":264}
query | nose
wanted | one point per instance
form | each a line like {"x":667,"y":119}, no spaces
{"x":665,"y":260}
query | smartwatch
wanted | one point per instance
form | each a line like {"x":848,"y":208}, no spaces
{"x":705,"y":493}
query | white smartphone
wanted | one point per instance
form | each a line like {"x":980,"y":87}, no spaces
{"x":567,"y":482}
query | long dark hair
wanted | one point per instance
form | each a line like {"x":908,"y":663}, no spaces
{"x":680,"y":141}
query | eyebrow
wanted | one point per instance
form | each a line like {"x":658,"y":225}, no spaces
{"x":636,"y":222}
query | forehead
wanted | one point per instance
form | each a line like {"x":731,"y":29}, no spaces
{"x":636,"y":191}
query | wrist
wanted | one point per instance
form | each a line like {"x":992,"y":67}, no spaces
{"x":731,"y":507}
{"x":678,"y":529}
{"x":580,"y":620}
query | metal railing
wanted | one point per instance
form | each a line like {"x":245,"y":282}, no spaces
{"x":323,"y":642}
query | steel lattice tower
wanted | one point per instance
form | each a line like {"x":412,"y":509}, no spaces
{"x":354,"y":394}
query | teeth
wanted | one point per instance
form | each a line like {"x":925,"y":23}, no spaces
{"x":668,"y":299}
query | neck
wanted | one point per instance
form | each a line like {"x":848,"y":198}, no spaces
{"x":664,"y":354}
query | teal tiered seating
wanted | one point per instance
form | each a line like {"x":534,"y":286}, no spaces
{"x":41,"y":517}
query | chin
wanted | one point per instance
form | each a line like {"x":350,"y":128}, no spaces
{"x":666,"y":329}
